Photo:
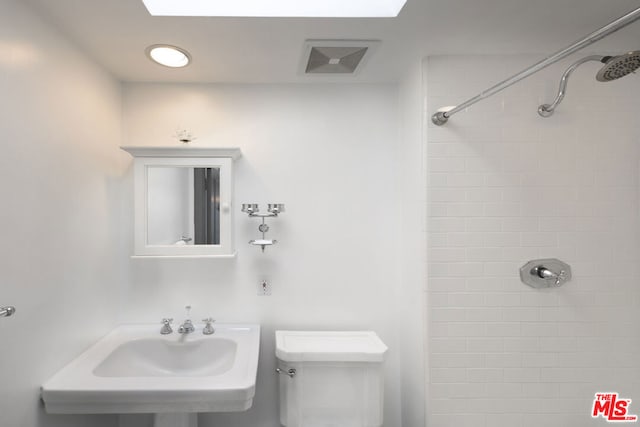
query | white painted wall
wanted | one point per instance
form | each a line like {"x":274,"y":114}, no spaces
{"x":329,"y":152}
{"x":61,"y":189}
{"x":506,"y":186}
{"x":411,"y":248}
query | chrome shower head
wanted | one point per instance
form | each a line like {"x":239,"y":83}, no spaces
{"x":618,"y":66}
{"x":614,"y":68}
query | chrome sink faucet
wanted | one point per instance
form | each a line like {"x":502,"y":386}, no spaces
{"x":187,"y":327}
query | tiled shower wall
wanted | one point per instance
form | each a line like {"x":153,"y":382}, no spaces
{"x":504,"y":187}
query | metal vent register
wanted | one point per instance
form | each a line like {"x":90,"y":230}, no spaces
{"x":335,"y":56}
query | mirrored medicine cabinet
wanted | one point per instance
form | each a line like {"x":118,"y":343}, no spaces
{"x":183,"y":200}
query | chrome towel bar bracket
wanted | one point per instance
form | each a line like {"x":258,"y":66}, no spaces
{"x":7,"y":311}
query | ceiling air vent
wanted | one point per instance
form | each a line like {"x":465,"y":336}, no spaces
{"x":336,"y":56}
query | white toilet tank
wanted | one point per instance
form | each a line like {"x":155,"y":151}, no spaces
{"x":330,"y":379}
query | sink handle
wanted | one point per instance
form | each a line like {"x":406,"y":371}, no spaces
{"x":166,"y":326}
{"x":208,"y":328}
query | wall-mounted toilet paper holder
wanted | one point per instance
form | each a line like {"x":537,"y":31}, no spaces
{"x":545,"y":273}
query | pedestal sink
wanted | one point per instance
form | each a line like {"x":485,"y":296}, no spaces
{"x":134,"y":369}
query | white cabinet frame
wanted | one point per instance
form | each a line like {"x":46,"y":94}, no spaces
{"x":147,"y":157}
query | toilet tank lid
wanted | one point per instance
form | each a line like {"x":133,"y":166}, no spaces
{"x":329,"y":346}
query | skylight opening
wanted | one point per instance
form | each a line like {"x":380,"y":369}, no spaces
{"x":277,"y":8}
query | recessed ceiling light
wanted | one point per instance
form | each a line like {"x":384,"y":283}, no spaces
{"x":277,"y":8}
{"x":169,"y":56}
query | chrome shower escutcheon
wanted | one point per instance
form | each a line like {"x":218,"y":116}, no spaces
{"x":7,"y":311}
{"x":545,"y":273}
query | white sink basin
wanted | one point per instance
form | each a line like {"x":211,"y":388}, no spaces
{"x":157,"y":357}
{"x":134,"y":369}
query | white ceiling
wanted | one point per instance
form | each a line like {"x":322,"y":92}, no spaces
{"x":268,"y":50}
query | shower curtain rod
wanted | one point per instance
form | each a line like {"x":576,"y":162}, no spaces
{"x":442,"y":115}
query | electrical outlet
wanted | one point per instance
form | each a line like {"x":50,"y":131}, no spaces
{"x":264,"y":288}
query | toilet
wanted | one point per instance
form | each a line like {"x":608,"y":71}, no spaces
{"x":330,"y":379}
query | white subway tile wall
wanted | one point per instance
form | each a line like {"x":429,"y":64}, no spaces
{"x":505,"y":186}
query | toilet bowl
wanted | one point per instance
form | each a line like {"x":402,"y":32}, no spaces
{"x":330,"y":379}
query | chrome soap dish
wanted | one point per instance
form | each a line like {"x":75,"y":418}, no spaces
{"x":273,"y":210}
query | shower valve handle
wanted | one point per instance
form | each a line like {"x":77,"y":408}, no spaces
{"x":560,"y":277}
{"x":545,"y":273}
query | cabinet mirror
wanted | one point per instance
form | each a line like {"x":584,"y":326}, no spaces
{"x":182,"y":204}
